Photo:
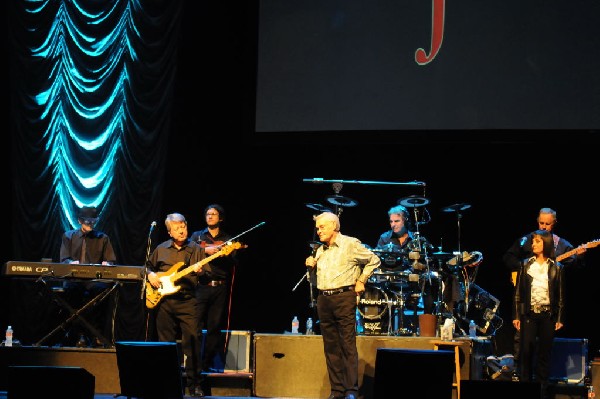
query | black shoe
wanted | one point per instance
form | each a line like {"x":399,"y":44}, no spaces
{"x":334,"y":396}
{"x":196,"y":392}
{"x":83,"y":342}
{"x":350,"y":396}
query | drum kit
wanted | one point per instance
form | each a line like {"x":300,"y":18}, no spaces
{"x":409,"y":282}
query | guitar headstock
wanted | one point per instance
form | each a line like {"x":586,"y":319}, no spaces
{"x":592,"y":244}
{"x":229,"y":247}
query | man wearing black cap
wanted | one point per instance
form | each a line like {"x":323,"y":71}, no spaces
{"x":86,"y":245}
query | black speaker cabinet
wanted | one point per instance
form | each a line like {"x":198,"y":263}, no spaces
{"x":139,"y":362}
{"x":49,"y":381}
{"x":493,"y":389}
{"x":398,"y":368}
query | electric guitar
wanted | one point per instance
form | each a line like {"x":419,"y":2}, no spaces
{"x":169,"y":278}
{"x":560,"y":257}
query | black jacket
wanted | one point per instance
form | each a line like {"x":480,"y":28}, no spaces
{"x":522,"y":297}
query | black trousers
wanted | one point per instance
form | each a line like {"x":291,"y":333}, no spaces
{"x":338,"y":328}
{"x":178,"y":314}
{"x":537,"y":336}
{"x":212,"y":312}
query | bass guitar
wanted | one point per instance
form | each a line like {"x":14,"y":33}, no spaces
{"x":168,"y":279}
{"x":560,"y":257}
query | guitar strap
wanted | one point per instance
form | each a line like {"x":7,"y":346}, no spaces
{"x":556,"y":240}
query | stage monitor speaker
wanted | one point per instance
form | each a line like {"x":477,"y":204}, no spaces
{"x":492,"y":389}
{"x":50,"y":381}
{"x":397,"y":368}
{"x":139,"y":362}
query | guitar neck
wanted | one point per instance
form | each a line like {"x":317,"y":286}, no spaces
{"x":190,"y":268}
{"x":590,"y":244}
{"x":566,"y":255}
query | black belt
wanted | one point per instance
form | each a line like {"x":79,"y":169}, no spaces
{"x":337,"y":290}
{"x":214,"y":283}
{"x":540,"y":308}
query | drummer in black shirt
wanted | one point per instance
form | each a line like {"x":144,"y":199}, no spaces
{"x":403,"y":251}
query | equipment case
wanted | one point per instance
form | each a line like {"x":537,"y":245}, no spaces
{"x":569,"y":360}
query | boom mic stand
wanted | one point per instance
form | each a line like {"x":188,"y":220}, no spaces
{"x":309,"y":275}
{"x":144,"y":271}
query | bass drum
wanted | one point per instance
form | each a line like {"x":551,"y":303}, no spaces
{"x":374,"y":311}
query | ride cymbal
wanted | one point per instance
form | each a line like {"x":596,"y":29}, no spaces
{"x":413,"y":201}
{"x":318,"y":207}
{"x":340,"y":200}
{"x":456,"y":208}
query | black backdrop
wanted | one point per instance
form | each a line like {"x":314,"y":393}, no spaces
{"x":505,"y":175}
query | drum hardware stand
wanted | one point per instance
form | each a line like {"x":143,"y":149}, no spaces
{"x":401,"y":329}
{"x":337,"y":187}
{"x":460,"y":258}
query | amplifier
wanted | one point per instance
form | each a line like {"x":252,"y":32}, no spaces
{"x":569,"y":360}
{"x":238,"y":356}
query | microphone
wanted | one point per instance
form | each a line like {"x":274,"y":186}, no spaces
{"x":152,"y":226}
{"x":523,"y":240}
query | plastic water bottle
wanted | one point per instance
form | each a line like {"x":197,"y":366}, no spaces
{"x":472,"y":329}
{"x":9,"y":337}
{"x":309,"y":326}
{"x":360,"y":327}
{"x":295,"y":325}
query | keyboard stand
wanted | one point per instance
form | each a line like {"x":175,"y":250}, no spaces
{"x":77,"y":313}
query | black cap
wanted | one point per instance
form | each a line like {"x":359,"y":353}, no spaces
{"x":88,"y":213}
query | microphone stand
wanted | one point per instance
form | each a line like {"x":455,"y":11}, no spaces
{"x":314,"y":245}
{"x":144,"y":269}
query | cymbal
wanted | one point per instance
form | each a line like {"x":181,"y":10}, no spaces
{"x":413,"y":201}
{"x":456,"y":208}
{"x":318,"y":207}
{"x":340,"y":200}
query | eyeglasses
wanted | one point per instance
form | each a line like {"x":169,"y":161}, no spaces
{"x":89,"y":222}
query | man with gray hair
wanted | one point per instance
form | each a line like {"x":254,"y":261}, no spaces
{"x":343,"y":266}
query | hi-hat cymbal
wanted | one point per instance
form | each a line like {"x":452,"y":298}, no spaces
{"x":318,"y":207}
{"x":413,"y":201}
{"x":456,"y":208}
{"x":340,"y":200}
